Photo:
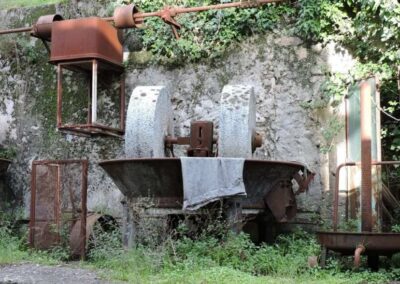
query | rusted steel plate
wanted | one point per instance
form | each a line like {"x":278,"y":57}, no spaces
{"x":58,"y":199}
{"x":161,"y":179}
{"x":80,"y":244}
{"x":89,"y":38}
{"x":45,"y":222}
{"x":282,"y":201}
{"x":374,"y":243}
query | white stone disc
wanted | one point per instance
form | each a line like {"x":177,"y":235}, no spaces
{"x":237,"y":121}
{"x":149,"y":120}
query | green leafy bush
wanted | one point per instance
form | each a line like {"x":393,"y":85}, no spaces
{"x":7,"y":153}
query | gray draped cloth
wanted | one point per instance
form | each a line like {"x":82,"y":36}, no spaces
{"x":209,"y":179}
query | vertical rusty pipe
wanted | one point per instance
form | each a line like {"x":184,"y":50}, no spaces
{"x":122,"y":104}
{"x":366,"y":159}
{"x":89,"y":114}
{"x":94,"y":90}
{"x":83,"y":233}
{"x":57,"y":204}
{"x":347,"y":118}
{"x":59,"y":95}
{"x":336,"y":196}
{"x":357,"y":255}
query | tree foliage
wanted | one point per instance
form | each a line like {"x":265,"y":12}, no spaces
{"x":370,"y":30}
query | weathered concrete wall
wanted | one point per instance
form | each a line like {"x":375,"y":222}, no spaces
{"x":283,"y":70}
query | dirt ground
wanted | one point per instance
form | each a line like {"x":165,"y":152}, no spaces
{"x":39,"y":274}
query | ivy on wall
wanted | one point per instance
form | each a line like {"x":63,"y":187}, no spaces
{"x":369,"y":29}
{"x":203,"y":35}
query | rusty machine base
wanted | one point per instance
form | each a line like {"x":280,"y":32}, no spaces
{"x":158,"y":183}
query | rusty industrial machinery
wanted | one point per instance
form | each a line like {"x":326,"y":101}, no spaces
{"x":91,"y":49}
{"x":369,"y":241}
{"x":130,"y":17}
{"x":201,"y":140}
{"x":154,"y":172}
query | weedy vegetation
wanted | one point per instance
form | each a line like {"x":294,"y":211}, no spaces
{"x":231,"y":258}
{"x":221,"y":257}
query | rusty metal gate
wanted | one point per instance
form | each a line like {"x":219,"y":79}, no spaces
{"x":58,"y":201}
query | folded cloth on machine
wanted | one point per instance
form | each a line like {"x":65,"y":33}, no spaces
{"x":209,"y":179}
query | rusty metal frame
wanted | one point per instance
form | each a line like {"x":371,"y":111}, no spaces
{"x":90,"y":127}
{"x":57,"y":212}
{"x":335,"y":216}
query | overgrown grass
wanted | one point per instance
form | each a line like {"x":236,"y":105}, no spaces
{"x":8,"y":4}
{"x":231,"y":259}
{"x":14,"y":246}
{"x":206,"y":259}
{"x":14,"y":249}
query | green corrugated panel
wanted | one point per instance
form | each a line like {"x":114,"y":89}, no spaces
{"x":354,"y":138}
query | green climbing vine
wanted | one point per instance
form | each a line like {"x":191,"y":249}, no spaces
{"x":203,"y":35}
{"x":369,"y":29}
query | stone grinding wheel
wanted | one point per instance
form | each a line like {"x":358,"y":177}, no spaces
{"x":237,"y":121}
{"x":149,"y":120}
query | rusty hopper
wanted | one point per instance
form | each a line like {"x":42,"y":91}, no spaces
{"x":92,"y":47}
{"x":161,"y":180}
{"x":89,"y":38}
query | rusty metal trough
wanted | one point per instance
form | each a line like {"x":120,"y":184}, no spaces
{"x":374,"y":243}
{"x":161,"y":179}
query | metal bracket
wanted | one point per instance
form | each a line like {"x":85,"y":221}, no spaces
{"x":200,"y":141}
{"x":303,"y":180}
{"x":167,"y":15}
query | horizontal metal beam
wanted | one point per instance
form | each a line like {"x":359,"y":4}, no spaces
{"x":173,"y":11}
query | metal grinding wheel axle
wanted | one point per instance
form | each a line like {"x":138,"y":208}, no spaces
{"x":129,"y":17}
{"x":201,"y":140}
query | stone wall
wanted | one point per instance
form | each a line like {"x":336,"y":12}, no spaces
{"x":284,"y":71}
